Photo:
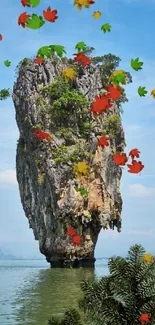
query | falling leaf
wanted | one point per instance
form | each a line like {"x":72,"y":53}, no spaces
{"x":23,"y":19}
{"x":81,"y":46}
{"x":134,"y":153}
{"x":45,"y":51}
{"x":113,"y":92}
{"x":83,"y":191}
{"x":141,"y":91}
{"x":97,"y":14}
{"x":59,"y":49}
{"x":106,"y":28}
{"x":7,"y":63}
{"x":144,"y":318}
{"x":153,"y":93}
{"x":35,"y":22}
{"x":69,"y":73}
{"x":80,"y":57}
{"x":71,"y":232}
{"x":76,"y":240}
{"x":34,"y":3}
{"x":148,"y":258}
{"x":81,"y":168}
{"x":136,"y":167}
{"x":120,"y":158}
{"x":85,"y":3}
{"x":1,"y":37}
{"x":119,"y":78}
{"x":136,"y":64}
{"x":100,"y":104}
{"x":49,"y":15}
{"x":25,"y":3}
{"x":38,"y":60}
{"x":42,"y":135}
{"x":103,"y":141}
{"x":86,"y":213}
{"x":117,"y":73}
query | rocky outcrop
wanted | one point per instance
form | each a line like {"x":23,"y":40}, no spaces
{"x":48,"y":187}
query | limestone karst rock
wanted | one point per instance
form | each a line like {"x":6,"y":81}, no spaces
{"x":53,"y":204}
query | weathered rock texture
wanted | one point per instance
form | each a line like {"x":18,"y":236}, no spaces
{"x":56,"y":204}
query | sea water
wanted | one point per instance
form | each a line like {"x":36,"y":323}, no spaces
{"x":31,"y":292}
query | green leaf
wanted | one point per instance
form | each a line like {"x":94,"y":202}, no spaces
{"x":83,"y":191}
{"x":142,"y":91}
{"x":34,"y":3}
{"x":7,"y":63}
{"x":45,"y":51}
{"x":120,"y":78}
{"x":81,"y":46}
{"x":59,"y":49}
{"x":106,"y":28}
{"x":136,"y":64}
{"x":35,"y":22}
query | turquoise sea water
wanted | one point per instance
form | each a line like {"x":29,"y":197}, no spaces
{"x":31,"y":292}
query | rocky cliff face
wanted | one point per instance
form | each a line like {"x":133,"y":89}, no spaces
{"x":48,"y":187}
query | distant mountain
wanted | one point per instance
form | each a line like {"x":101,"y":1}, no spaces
{"x":6,"y":257}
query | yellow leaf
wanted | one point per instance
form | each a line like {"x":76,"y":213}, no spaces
{"x":81,"y":168}
{"x":153,"y":93}
{"x":80,"y":3}
{"x":148,"y":258}
{"x":86,"y":213}
{"x":69,"y":73}
{"x":97,"y":14}
{"x":115,"y":73}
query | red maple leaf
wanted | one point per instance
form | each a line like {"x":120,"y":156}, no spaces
{"x":80,"y":57}
{"x":25,"y":3}
{"x":50,"y":15}
{"x":91,"y":2}
{"x":42,"y":135}
{"x":136,"y":167}
{"x":76,"y":240}
{"x":134,"y":153}
{"x":38,"y":60}
{"x":144,"y":318}
{"x":1,"y":37}
{"x":100,"y":104}
{"x":103,"y":141}
{"x":113,"y":92}
{"x":22,"y":19}
{"x":120,"y":158}
{"x":71,"y":232}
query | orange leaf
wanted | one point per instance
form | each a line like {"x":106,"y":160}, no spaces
{"x":49,"y":15}
{"x":42,"y":135}
{"x":144,"y":318}
{"x":134,"y":153}
{"x":71,"y":232}
{"x":25,"y":3}
{"x":80,"y":57}
{"x":114,"y":92}
{"x":100,"y":104}
{"x":76,"y":240}
{"x":103,"y":141}
{"x":136,"y":167}
{"x":38,"y":60}
{"x":120,"y":159}
{"x":22,"y":19}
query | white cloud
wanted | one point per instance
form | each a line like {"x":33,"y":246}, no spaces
{"x":141,"y":191}
{"x":8,"y":177}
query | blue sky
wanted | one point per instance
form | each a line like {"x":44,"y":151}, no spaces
{"x":131,"y":36}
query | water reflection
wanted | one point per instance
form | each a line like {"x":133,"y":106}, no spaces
{"x":54,"y":291}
